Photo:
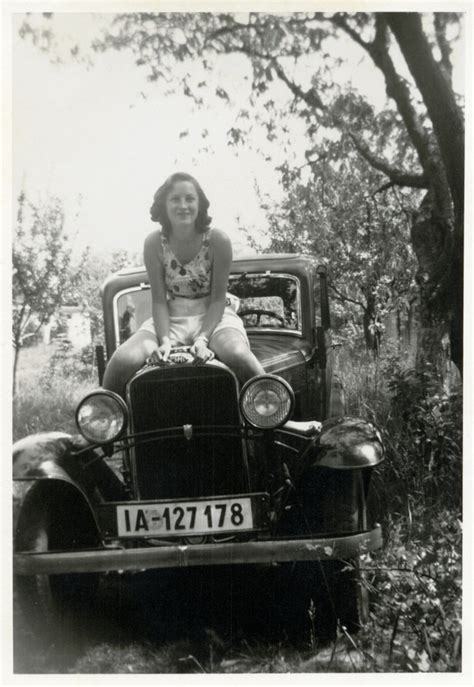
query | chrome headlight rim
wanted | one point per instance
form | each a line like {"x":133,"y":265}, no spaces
{"x":122,"y":406}
{"x":256,"y":380}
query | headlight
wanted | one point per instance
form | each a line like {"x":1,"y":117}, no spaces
{"x":267,"y":401}
{"x":101,"y":417}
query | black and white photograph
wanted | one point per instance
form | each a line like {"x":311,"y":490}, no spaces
{"x":236,"y":366}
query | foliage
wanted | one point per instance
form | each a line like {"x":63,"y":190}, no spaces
{"x":93,"y":269}
{"x":416,"y":141}
{"x":71,"y":364}
{"x":421,"y":425}
{"x":415,"y":580}
{"x":423,"y":434}
{"x":47,"y":398}
{"x":41,"y":266}
{"x":407,"y":143}
{"x":336,"y":215}
{"x":416,"y":583}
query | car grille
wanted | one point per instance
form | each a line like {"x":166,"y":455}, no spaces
{"x":211,"y":461}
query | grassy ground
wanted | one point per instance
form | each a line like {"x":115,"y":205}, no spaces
{"x":415,"y":620}
{"x":46,"y":398}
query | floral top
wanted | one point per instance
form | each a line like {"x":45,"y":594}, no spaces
{"x":193,"y":279}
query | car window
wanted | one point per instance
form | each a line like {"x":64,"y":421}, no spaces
{"x":267,"y":300}
{"x":132,"y":308}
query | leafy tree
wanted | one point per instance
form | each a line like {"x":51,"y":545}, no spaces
{"x":363,"y":237}
{"x":94,"y":269}
{"x":416,"y":142}
{"x":41,"y":267}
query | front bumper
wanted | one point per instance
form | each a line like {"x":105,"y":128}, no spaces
{"x":182,"y":556}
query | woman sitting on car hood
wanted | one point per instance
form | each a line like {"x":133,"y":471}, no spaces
{"x":188,"y":266}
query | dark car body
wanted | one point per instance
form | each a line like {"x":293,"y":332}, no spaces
{"x":189,"y":481}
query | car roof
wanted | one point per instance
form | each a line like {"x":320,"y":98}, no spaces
{"x":276,"y":262}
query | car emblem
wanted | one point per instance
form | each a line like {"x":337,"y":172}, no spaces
{"x":180,"y":357}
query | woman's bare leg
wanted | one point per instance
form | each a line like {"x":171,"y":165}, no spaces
{"x":127,"y":359}
{"x":232,"y":349}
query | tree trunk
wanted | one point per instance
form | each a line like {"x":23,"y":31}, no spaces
{"x":431,"y":239}
{"x":15,"y":366}
{"x":438,"y":96}
{"x":371,"y":333}
{"x":448,"y":126}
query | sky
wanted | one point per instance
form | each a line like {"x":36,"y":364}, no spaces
{"x":103,"y":138}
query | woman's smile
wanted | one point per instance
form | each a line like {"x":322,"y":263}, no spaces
{"x":182,"y":203}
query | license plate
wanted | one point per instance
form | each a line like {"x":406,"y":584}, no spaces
{"x":184,"y":517}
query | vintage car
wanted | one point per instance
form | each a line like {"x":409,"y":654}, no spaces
{"x":193,"y":471}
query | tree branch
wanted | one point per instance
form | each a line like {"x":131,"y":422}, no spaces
{"x":440,"y":23}
{"x":226,"y":30}
{"x":312,"y":99}
{"x":395,"y":86}
{"x":384,"y":187}
{"x":345,"y":298}
{"x":438,"y":96}
{"x":396,"y":176}
{"x":339,"y":21}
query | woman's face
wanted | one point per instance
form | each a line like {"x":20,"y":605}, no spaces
{"x":182,"y":204}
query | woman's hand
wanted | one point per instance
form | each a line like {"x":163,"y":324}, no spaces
{"x":201,"y":351}
{"x":161,"y":353}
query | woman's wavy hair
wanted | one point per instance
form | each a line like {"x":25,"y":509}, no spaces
{"x":158,"y":209}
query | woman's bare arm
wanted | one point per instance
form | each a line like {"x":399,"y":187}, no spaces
{"x":156,"y":276}
{"x":222,"y":259}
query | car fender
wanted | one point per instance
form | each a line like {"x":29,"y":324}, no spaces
{"x":56,"y":455}
{"x":37,"y":455}
{"x":49,"y":474}
{"x":348,"y":443}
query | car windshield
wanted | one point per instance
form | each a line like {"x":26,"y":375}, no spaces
{"x":264,"y":301}
{"x":267,"y":300}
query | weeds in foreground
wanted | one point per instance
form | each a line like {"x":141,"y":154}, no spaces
{"x":415,"y":581}
{"x":50,"y":385}
{"x":421,"y":426}
{"x":416,"y":588}
{"x":414,"y":624}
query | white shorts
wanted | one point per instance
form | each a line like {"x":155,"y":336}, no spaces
{"x":186,"y":318}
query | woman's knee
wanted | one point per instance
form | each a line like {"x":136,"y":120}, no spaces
{"x":234,"y":351}
{"x":123,"y":357}
{"x":126,"y":360}
{"x":230,"y":348}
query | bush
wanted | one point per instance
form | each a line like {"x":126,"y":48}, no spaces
{"x":417,"y":602}
{"x":70,"y":363}
{"x":50,"y":385}
{"x":421,"y":424}
{"x":415,"y":580}
{"x":424,"y":438}
{"x":417,"y":494}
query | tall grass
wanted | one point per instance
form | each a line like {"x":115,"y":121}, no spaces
{"x":415,"y":622}
{"x":421,"y":425}
{"x":417,"y":494}
{"x":49,"y":387}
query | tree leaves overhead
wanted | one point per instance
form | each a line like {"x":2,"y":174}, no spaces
{"x":331,"y":213}
{"x":406,"y":140}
